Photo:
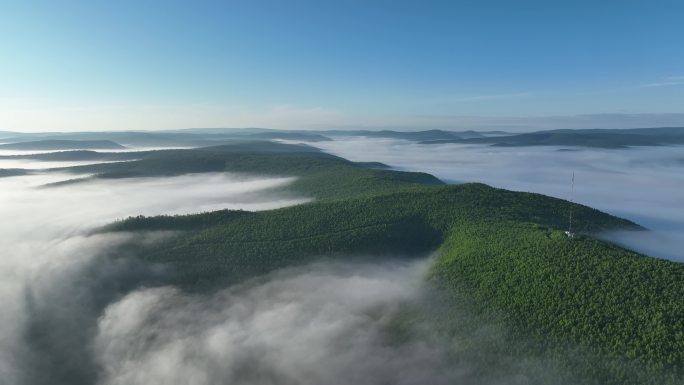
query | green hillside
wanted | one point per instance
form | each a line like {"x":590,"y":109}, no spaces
{"x":623,"y":311}
{"x":176,"y":138}
{"x":234,"y":244}
{"x":320,"y":175}
{"x":502,"y":254}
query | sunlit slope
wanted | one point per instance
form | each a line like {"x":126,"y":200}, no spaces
{"x":502,"y":252}
{"x":414,"y":220}
{"x":626,"y":309}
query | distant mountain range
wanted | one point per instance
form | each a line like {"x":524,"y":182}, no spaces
{"x":606,"y":138}
{"x":605,"y":314}
{"x":199,"y":137}
{"x":53,"y":144}
{"x":501,"y":253}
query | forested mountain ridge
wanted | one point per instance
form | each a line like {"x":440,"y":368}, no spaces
{"x":320,"y":175}
{"x":501,"y":252}
{"x":582,"y":138}
{"x":415,"y":220}
{"x":601,"y":138}
{"x":622,"y":313}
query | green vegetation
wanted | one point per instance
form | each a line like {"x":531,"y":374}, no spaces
{"x":235,"y":244}
{"x":320,"y":175}
{"x":625,"y":310}
{"x":604,"y":314}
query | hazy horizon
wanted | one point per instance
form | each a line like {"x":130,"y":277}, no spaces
{"x":672,"y":120}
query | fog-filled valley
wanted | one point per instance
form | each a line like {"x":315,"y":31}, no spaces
{"x":77,"y":309}
{"x":50,"y":258}
{"x":300,"y":266}
{"x":643,"y":184}
{"x":341,"y":193}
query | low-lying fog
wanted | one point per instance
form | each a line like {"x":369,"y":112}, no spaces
{"x":643,"y":184}
{"x":321,"y":324}
{"x":76,"y":311}
{"x":73,"y":313}
{"x":51,"y":273}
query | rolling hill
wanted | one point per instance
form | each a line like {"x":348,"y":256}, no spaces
{"x":614,"y":138}
{"x":176,"y":138}
{"x":502,"y":254}
{"x":203,"y":137}
{"x":54,"y":144}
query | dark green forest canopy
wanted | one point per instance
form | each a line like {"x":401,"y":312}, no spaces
{"x":413,"y":221}
{"x":624,"y":310}
{"x":502,"y":252}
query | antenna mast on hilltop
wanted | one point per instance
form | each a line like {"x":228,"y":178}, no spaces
{"x":569,"y":233}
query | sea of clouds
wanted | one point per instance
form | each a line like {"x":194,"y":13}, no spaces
{"x":643,"y":184}
{"x":76,"y":310}
{"x":56,"y":277}
{"x":320,"y":324}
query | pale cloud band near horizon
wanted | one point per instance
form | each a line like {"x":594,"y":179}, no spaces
{"x":27,"y":115}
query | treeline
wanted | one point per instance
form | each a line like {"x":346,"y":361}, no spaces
{"x":503,"y":250}
{"x":604,"y":314}
{"x":235,"y":245}
{"x":625,"y":310}
{"x":320,"y":175}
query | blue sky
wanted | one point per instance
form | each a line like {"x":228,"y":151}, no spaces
{"x":89,"y":65}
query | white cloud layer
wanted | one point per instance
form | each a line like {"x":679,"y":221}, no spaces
{"x":76,"y":311}
{"x":643,"y":184}
{"x":322,"y":324}
{"x":52,"y":277}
